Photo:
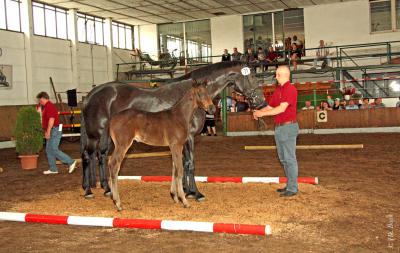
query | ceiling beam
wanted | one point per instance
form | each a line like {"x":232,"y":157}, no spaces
{"x":172,"y":10}
{"x":287,"y":6}
{"x":128,"y":16}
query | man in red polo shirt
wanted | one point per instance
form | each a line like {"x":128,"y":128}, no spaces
{"x":283,"y":105}
{"x":52,"y":133}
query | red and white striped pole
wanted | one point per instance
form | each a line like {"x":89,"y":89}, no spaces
{"x":277,"y":180}
{"x":197,"y":226}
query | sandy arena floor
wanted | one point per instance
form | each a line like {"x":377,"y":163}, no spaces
{"x":350,"y":211}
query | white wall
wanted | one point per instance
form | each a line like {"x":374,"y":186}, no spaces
{"x":12,"y":45}
{"x":148,"y":41}
{"x":51,"y":58}
{"x":122,"y":56}
{"x":92,"y":65}
{"x":341,"y":24}
{"x":226,"y":32}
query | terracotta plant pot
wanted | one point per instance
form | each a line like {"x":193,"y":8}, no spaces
{"x":28,"y":162}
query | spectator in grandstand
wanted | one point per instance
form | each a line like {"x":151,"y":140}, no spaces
{"x":365,"y":104}
{"x":398,"y":103}
{"x":226,"y":56}
{"x":378,"y":103}
{"x":272,"y":57}
{"x":307,"y":106}
{"x":351,"y":105}
{"x":322,"y":55}
{"x":295,"y":41}
{"x":294,"y":56}
{"x":329,"y":100}
{"x":325,"y":106}
{"x":250,"y":58}
{"x":343,"y":104}
{"x":336,"y":105}
{"x":230,"y":102}
{"x":261,"y":58}
{"x":298,"y":44}
{"x":241,"y":104}
{"x":235,"y":56}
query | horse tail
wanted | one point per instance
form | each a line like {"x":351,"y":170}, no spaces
{"x":84,"y":137}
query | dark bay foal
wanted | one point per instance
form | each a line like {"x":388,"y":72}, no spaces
{"x":166,"y":128}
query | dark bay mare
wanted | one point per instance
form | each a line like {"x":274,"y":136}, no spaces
{"x":166,"y":128}
{"x":108,"y":99}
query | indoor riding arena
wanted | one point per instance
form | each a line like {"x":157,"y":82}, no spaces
{"x":199,"y":126}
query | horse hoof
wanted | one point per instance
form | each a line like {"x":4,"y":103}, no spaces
{"x":119,"y":208}
{"x":107,"y":194}
{"x":187,"y":205}
{"x":200,"y":198}
{"x":174,"y":197}
{"x":196,"y":195}
{"x":89,"y":196}
{"x":190,"y":196}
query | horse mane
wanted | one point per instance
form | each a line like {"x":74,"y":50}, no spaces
{"x":207,"y":70}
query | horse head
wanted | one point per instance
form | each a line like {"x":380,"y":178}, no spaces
{"x":203,"y":99}
{"x":244,"y":81}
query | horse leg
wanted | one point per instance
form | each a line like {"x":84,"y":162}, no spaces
{"x":176,"y":151}
{"x":114,"y":165}
{"x":86,"y":174}
{"x":173,"y":191}
{"x":105,"y":143}
{"x":92,"y":169}
{"x":88,"y":162}
{"x":189,"y":182}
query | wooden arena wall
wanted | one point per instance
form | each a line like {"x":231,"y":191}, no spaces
{"x":8,"y":116}
{"x":240,"y":122}
{"x":384,"y":117}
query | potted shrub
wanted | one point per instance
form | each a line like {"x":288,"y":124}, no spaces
{"x":28,"y":136}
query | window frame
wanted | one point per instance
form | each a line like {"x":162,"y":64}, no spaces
{"x":394,"y":13}
{"x":126,"y":27}
{"x":95,"y":20}
{"x":56,"y":10}
{"x":370,"y":16}
{"x":6,"y":17}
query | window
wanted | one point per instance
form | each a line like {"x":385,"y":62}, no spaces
{"x":271,"y":29}
{"x":90,"y":29}
{"x":10,"y":15}
{"x":380,"y":16}
{"x":198,"y":36}
{"x":197,"y":39}
{"x":49,"y":21}
{"x":122,"y":36}
{"x":171,"y":39}
{"x":258,"y":31}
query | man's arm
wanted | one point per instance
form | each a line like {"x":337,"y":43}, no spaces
{"x":49,"y":127}
{"x":270,"y":111}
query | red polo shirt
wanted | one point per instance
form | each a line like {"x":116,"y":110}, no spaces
{"x":49,"y":111}
{"x":285,"y":93}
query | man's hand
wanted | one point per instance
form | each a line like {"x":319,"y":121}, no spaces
{"x":47,"y":135}
{"x":257,"y":114}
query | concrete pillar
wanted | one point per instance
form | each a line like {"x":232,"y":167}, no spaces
{"x":73,"y":36}
{"x":27,"y":29}
{"x":393,"y":15}
{"x":108,"y":42}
